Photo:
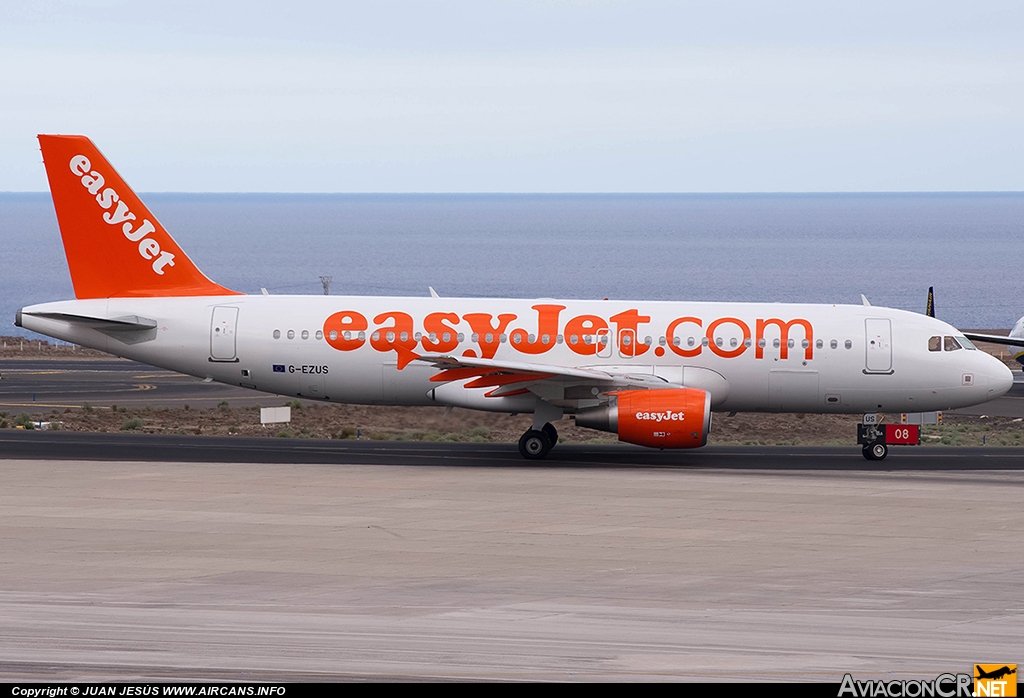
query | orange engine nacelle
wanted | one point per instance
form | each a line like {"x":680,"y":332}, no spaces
{"x":673,"y":418}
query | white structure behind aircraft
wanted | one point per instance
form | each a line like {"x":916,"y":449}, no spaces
{"x":651,"y":372}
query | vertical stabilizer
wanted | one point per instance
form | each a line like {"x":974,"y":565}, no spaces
{"x":115,"y":247}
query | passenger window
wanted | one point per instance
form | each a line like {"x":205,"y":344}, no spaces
{"x":305,"y":334}
{"x":935,"y":344}
{"x":775,"y":344}
{"x":573,"y":339}
{"x":833,"y":344}
{"x":819,"y":344}
{"x":291,"y":334}
{"x":319,"y":334}
{"x":950,"y":343}
{"x":849,"y":344}
{"x":277,"y":334}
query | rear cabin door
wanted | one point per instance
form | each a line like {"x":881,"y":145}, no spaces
{"x":878,"y":345}
{"x":223,"y":328}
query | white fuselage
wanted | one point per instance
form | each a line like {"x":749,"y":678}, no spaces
{"x":749,"y":356}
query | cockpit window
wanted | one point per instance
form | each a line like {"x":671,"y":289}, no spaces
{"x":950,"y":343}
{"x":966,"y":343}
{"x":935,"y":344}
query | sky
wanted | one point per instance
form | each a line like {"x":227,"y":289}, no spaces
{"x":503,"y":96}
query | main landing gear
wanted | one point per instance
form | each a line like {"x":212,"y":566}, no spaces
{"x":536,"y":443}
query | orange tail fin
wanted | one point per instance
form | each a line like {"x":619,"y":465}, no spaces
{"x":115,"y":247}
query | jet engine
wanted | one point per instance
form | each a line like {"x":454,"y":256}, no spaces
{"x":671,"y":418}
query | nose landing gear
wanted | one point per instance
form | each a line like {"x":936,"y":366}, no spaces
{"x":875,"y":439}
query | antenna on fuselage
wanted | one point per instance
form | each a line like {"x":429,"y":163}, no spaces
{"x":864,"y":300}
{"x":930,"y":308}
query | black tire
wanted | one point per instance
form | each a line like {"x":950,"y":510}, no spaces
{"x":879,"y":451}
{"x":866,"y":451}
{"x":551,"y":433}
{"x":534,"y":444}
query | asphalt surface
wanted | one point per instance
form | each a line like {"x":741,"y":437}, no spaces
{"x":63,"y":445}
{"x":139,"y":570}
{"x":59,"y":384}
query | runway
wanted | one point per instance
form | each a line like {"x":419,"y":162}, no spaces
{"x":59,"y":445}
{"x":355,"y":561}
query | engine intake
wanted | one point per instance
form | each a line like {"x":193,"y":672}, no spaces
{"x":672,"y":418}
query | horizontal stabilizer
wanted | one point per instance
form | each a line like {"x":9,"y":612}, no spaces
{"x":126,"y":329}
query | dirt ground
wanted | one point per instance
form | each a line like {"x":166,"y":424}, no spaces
{"x":330,"y":421}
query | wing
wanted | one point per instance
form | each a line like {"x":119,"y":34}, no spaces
{"x":556,"y":384}
{"x":995,"y":339}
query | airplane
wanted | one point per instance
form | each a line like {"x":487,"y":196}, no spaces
{"x":1014,"y":339}
{"x":995,"y":674}
{"x":650,"y":372}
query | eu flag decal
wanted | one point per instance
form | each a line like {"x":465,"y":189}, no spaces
{"x":278,"y":368}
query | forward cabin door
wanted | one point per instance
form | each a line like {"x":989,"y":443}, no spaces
{"x":878,"y":345}
{"x":223,"y":328}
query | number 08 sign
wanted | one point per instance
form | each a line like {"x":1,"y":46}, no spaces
{"x":908,"y":434}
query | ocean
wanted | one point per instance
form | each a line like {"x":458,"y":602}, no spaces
{"x":819,"y":248}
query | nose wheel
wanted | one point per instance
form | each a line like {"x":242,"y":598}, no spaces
{"x":875,"y":451}
{"x":535,"y":443}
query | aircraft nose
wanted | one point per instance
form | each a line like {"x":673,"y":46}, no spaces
{"x":999,"y":377}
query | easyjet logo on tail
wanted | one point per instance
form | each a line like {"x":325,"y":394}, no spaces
{"x":108,"y":198}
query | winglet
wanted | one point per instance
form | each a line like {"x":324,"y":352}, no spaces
{"x":115,"y":247}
